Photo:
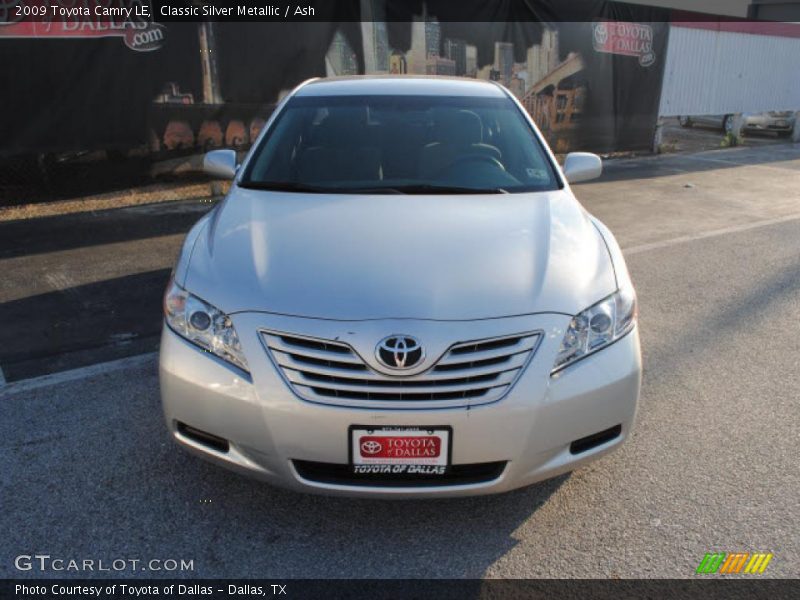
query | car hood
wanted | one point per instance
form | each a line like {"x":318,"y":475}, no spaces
{"x":354,"y":257}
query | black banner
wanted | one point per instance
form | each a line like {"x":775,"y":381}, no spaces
{"x":589,"y":72}
{"x":403,"y":589}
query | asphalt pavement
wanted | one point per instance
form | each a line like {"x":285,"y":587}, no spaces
{"x":708,"y":137}
{"x":713,"y":244}
{"x":82,"y":288}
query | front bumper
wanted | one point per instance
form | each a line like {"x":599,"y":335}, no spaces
{"x":269,"y":431}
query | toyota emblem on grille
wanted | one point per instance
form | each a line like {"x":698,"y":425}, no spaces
{"x":399,"y":352}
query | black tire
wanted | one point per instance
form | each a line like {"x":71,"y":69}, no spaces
{"x":685,"y":122}
{"x":727,"y":124}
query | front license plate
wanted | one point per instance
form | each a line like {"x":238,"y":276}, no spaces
{"x":400,"y":450}
{"x":781,"y":124}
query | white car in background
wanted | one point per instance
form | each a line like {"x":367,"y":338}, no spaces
{"x":400,"y":296}
{"x":780,"y":122}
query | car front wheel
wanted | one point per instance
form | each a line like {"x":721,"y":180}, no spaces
{"x":727,"y":124}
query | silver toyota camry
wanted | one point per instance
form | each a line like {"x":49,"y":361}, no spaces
{"x":400,"y":296}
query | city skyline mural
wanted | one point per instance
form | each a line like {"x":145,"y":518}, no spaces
{"x":589,"y":85}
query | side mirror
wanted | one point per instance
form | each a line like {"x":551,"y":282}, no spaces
{"x":220,"y":163}
{"x":582,"y":166}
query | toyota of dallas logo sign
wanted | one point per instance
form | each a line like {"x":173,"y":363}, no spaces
{"x":130,"y":20}
{"x":626,"y":39}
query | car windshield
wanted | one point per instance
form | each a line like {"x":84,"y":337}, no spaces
{"x":401,"y":145}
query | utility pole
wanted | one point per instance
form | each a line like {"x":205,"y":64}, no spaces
{"x":208,"y":63}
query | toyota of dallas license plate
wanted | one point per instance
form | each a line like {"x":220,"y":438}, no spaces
{"x":400,"y":450}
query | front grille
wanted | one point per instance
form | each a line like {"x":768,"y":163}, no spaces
{"x":469,"y":373}
{"x":342,"y":475}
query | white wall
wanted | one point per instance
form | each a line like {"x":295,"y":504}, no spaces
{"x":711,"y":72}
{"x":729,"y":8}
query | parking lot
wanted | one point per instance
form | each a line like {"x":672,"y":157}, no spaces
{"x":712,"y":240}
{"x":701,"y":137}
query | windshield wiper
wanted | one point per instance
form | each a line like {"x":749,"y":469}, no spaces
{"x":414,"y":188}
{"x":285,"y":186}
{"x":425,"y":188}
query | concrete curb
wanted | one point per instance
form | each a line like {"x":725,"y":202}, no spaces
{"x":152,"y":194}
{"x":26,"y":385}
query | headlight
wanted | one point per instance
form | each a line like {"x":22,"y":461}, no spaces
{"x":202,"y":324}
{"x":598,"y":326}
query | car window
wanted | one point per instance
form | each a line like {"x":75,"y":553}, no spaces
{"x":405,"y":144}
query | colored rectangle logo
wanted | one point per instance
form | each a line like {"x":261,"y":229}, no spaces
{"x":732,"y":563}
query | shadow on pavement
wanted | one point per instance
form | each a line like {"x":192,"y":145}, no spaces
{"x":672,"y":164}
{"x":51,"y":234}
{"x":81,"y":325}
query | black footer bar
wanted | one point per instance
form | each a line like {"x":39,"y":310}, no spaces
{"x":401,"y":589}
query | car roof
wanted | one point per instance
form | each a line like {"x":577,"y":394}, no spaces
{"x":413,"y":85}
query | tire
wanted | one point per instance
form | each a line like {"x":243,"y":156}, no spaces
{"x":727,"y":124}
{"x":685,"y":122}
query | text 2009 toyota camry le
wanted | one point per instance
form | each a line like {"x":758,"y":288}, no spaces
{"x":400,"y":296}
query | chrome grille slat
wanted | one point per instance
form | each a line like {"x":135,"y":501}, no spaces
{"x":398,"y":386}
{"x":286,"y":361}
{"x":492,"y":353}
{"x":468,"y":373}
{"x":296,"y":361}
{"x":275,"y":343}
{"x":405,"y":396}
{"x":295,"y":342}
{"x":308,"y":393}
